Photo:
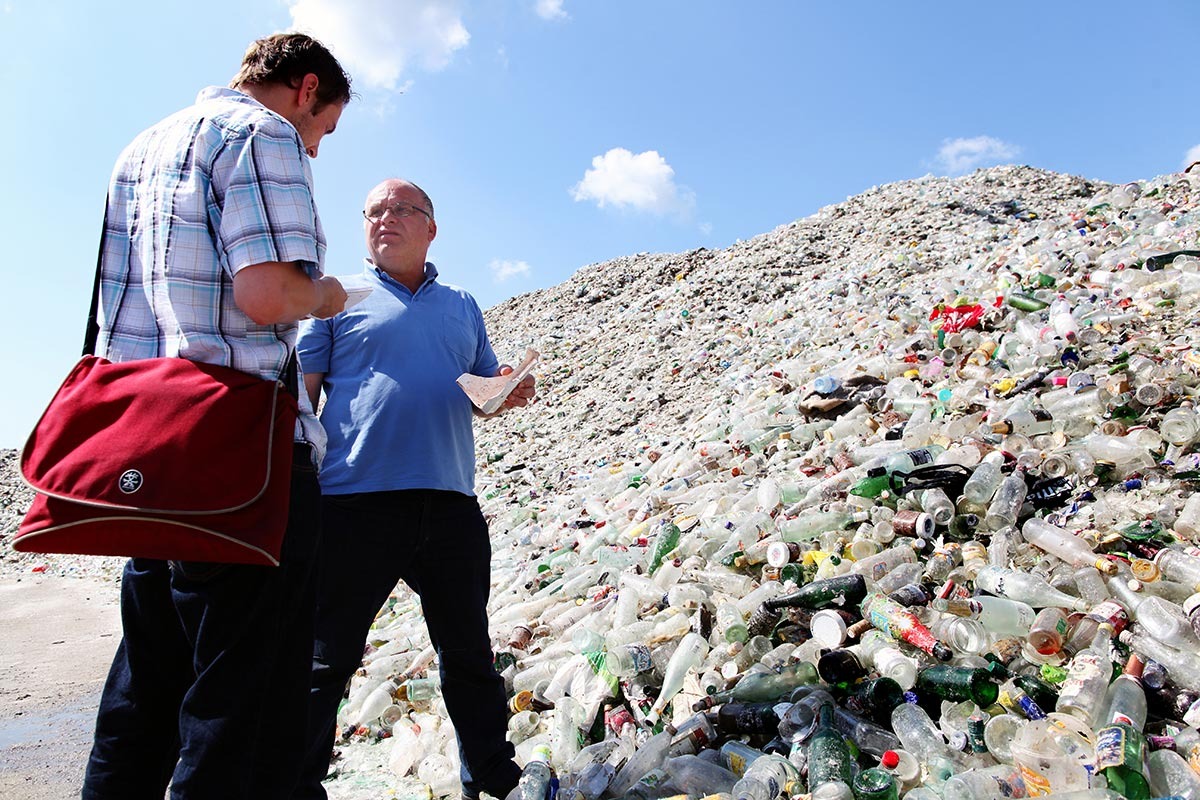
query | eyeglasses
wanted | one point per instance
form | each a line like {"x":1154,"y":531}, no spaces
{"x":401,"y":210}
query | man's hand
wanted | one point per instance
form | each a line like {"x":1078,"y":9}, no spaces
{"x":522,"y":395}
{"x":332,"y":296}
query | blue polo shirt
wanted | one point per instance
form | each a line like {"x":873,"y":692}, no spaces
{"x":396,"y":419}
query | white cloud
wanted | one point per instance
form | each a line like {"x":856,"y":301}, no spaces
{"x":645,"y":182}
{"x":1192,"y":156}
{"x":550,"y":9}
{"x":377,"y":40}
{"x":957,"y":156}
{"x":503,"y":270}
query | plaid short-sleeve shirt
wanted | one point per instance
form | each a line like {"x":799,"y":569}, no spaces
{"x":212,"y":189}
{"x":208,"y":191}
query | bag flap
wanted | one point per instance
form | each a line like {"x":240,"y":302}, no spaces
{"x":163,"y":435}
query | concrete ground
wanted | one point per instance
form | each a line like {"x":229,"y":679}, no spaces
{"x":57,"y":638}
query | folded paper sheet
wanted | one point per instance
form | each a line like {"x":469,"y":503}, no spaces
{"x":489,"y":393}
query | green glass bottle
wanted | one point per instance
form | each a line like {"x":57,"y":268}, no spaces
{"x":1039,"y":691}
{"x":844,"y":590}
{"x":876,"y":482}
{"x":1120,"y":754}
{"x":667,"y":540}
{"x":762,"y":686}
{"x":828,"y":755}
{"x":875,"y":784}
{"x":876,"y":698}
{"x":957,"y":684}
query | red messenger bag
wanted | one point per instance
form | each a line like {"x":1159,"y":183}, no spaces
{"x":161,"y":458}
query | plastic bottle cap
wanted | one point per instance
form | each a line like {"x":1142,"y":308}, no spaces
{"x":1191,"y":604}
{"x":828,"y":628}
{"x":890,"y":759}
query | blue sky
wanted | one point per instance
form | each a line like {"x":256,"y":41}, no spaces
{"x":552,"y":135}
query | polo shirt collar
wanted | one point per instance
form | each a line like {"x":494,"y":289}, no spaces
{"x":431,"y":274}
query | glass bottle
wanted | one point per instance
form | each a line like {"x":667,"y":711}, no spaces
{"x":1024,"y":587}
{"x":763,"y":686}
{"x":666,"y":541}
{"x":942,"y":561}
{"x":908,"y":460}
{"x":1120,"y":756}
{"x":921,"y":737}
{"x":1179,"y":566}
{"x":957,"y":684}
{"x":687,"y":657}
{"x":998,"y":615}
{"x":938,"y":505}
{"x":742,"y":718}
{"x":828,"y":755}
{"x":900,"y":623}
{"x":765,"y":779}
{"x":875,"y":783}
{"x":1064,"y":545}
{"x":1171,"y":775}
{"x":812,"y":524}
{"x":534,"y":783}
{"x":843,"y":590}
{"x":1006,"y":502}
{"x":1082,"y":692}
{"x":1125,"y":700}
{"x":875,"y":698}
{"x":1026,"y":421}
{"x":1048,"y":631}
{"x":984,"y":480}
{"x":731,"y":623}
{"x":1183,"y":667}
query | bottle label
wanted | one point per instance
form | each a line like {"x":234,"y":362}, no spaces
{"x":1036,"y":784}
{"x":641,"y":657}
{"x":921,"y":456}
{"x":1085,"y":669}
{"x":1112,"y":613}
{"x":1193,"y":757}
{"x":1119,"y":746}
{"x":654,"y":778}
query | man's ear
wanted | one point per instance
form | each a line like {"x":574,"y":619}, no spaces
{"x":307,"y":93}
{"x":432,"y":230}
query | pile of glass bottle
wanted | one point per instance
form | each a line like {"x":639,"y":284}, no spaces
{"x":968,"y":573}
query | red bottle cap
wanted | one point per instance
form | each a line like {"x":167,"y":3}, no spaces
{"x":890,"y":759}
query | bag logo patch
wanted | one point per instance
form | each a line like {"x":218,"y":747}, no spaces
{"x":130,"y":481}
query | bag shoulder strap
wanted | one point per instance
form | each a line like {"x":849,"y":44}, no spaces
{"x":92,"y":331}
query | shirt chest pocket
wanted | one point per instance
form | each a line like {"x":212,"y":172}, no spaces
{"x":459,"y":338}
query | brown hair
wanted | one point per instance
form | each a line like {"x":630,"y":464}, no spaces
{"x":286,"y":58}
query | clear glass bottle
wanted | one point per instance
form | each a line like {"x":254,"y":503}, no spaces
{"x":1081,"y":694}
{"x":1006,"y":502}
{"x":1025,"y":587}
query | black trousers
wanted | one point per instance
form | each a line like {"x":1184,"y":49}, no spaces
{"x":437,"y":543}
{"x":211,"y":656}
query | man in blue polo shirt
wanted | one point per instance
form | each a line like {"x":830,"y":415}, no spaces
{"x":398,"y":484}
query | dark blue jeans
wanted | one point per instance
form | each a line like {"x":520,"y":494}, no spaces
{"x":437,"y":543}
{"x":211,"y":673}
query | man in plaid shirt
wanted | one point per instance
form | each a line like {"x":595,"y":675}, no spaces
{"x":211,"y":251}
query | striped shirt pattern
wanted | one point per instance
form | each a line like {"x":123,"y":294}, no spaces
{"x":208,"y":191}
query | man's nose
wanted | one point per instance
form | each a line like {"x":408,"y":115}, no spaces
{"x":312,"y":151}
